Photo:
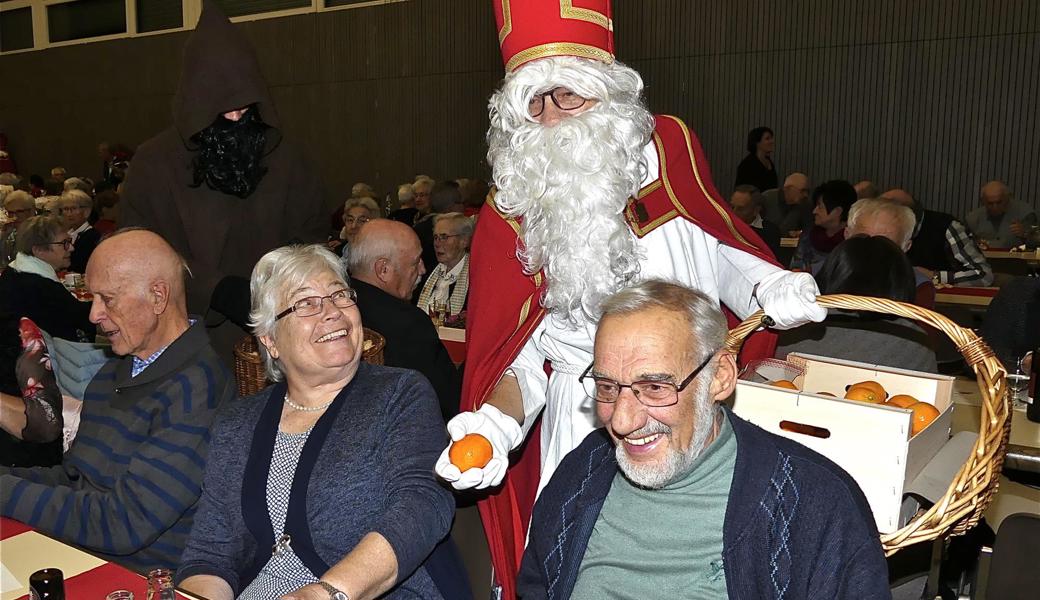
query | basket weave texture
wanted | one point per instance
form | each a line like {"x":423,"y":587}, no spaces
{"x":972,"y":489}
{"x":249,"y":365}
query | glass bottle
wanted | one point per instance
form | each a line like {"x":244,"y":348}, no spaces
{"x":160,"y":585}
{"x":47,"y":584}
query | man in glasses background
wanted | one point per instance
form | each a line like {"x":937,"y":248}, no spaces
{"x":385,"y":263}
{"x":675,"y":496}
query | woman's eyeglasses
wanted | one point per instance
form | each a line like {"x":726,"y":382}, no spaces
{"x":311,"y":305}
{"x":66,"y":244}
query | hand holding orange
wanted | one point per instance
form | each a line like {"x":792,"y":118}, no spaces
{"x":473,"y":450}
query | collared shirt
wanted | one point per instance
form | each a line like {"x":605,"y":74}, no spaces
{"x":75,"y":232}
{"x":140,"y":364}
{"x":972,"y":266}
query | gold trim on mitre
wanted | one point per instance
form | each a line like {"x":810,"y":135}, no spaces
{"x":559,"y":49}
{"x":567,"y":11}
{"x":507,"y":23}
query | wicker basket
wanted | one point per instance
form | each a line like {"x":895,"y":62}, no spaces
{"x":972,"y":489}
{"x":249,"y":366}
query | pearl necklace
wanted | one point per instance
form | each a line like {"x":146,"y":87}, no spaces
{"x":307,"y":408}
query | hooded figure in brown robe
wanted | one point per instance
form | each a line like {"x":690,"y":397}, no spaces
{"x":222,"y":185}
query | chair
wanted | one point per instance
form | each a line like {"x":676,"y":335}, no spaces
{"x":1009,"y":572}
{"x":249,"y":366}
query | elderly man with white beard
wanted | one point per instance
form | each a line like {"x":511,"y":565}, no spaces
{"x":594,"y":194}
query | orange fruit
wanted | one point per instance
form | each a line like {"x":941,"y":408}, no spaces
{"x":901,"y":401}
{"x":783,"y":383}
{"x":473,"y":450}
{"x":878,"y":389}
{"x":864,"y":394}
{"x":924,"y":414}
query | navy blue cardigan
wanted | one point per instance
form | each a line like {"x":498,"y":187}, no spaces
{"x":796,"y":526}
{"x":366,"y":466}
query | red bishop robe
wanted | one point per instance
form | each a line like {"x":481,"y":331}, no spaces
{"x":504,"y":310}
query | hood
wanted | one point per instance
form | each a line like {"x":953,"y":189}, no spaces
{"x":219,"y":73}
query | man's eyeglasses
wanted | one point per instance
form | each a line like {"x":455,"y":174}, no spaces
{"x":654,"y":394}
{"x":563,"y":98}
{"x":443,"y":237}
{"x":353,"y":220}
{"x":311,"y":305}
{"x":66,"y":244}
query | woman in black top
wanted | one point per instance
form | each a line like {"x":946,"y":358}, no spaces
{"x":757,"y":168}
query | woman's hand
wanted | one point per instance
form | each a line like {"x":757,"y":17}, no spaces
{"x":312,"y":591}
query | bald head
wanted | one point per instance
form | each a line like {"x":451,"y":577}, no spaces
{"x":387,"y":254}
{"x":136,"y":280}
{"x":995,"y":196}
{"x":796,"y":189}
{"x":900,"y":196}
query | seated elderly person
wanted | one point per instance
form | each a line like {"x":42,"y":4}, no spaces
{"x":678,"y":497}
{"x":75,"y":209}
{"x":29,"y":288}
{"x":322,"y":484}
{"x":1001,"y":221}
{"x":747,"y":204}
{"x":448,"y":284}
{"x":356,"y":212}
{"x":128,"y":487}
{"x":877,"y":216}
{"x":19,"y":206}
{"x":865,"y":266}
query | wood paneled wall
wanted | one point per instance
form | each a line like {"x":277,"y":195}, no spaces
{"x":936,"y":96}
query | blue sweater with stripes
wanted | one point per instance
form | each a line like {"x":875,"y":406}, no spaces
{"x":128,"y":487}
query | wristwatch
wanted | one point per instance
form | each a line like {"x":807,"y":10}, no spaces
{"x":334,"y":594}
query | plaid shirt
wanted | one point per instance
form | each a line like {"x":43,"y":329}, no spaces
{"x":973,"y":268}
{"x":140,"y":364}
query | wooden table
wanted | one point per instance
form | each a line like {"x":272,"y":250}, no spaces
{"x":788,"y":242}
{"x":1027,"y":255}
{"x":969,"y":296}
{"x":454,"y":340}
{"x":24,"y":551}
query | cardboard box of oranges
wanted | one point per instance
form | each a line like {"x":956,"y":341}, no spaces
{"x":875,"y":442}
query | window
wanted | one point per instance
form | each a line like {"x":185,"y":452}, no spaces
{"x":157,"y":15}
{"x":16,"y":29}
{"x":85,"y":19}
{"x":238,"y":8}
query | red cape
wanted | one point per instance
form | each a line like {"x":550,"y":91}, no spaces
{"x":504,"y":309}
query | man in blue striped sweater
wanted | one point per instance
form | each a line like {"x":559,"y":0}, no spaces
{"x":127,"y":488}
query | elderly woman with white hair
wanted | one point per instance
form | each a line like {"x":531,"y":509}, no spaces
{"x":321,"y":485}
{"x":356,"y":212}
{"x":75,"y":209}
{"x":448,"y":283}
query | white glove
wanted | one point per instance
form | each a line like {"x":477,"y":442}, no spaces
{"x":790,"y":299}
{"x":499,"y":428}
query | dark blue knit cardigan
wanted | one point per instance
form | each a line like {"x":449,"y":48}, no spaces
{"x":796,"y":526}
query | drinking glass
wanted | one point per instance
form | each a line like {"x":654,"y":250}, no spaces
{"x":120,"y":595}
{"x":1017,"y":380}
{"x":437,"y":310}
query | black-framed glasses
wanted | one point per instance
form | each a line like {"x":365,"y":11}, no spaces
{"x":563,"y":98}
{"x":66,"y":243}
{"x":655,"y":394}
{"x":443,"y":237}
{"x":311,"y":305}
{"x":353,"y":220}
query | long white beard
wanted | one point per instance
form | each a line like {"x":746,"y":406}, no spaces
{"x":570,"y":183}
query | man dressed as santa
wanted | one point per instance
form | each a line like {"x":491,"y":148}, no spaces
{"x":593,"y":194}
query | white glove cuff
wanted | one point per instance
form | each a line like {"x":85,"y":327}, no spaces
{"x":510,"y":429}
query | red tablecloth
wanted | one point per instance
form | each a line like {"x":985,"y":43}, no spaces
{"x":94,"y":584}
{"x":984,"y":292}
{"x":457,"y":350}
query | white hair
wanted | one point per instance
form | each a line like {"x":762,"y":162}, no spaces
{"x":868,"y":208}
{"x":75,"y":197}
{"x":574,"y":176}
{"x":364,"y":202}
{"x":462,"y":224}
{"x":405,"y":193}
{"x":274,"y":277}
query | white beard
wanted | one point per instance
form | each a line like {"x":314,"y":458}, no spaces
{"x":571,"y":183}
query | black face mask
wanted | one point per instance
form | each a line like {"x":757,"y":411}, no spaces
{"x":229,"y":154}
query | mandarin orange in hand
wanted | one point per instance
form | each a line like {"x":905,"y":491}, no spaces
{"x":473,"y":450}
{"x":864,"y":394}
{"x":923,"y":415}
{"x":901,"y":401}
{"x":783,"y":383}
{"x":877,"y":388}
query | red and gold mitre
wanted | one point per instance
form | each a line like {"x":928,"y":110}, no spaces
{"x":530,"y":29}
